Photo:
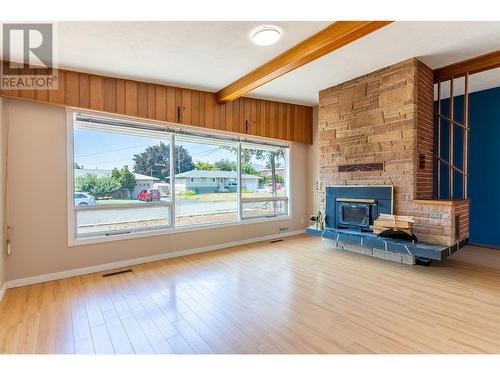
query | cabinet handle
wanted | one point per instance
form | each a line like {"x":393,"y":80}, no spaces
{"x":180,"y":109}
{"x":248,"y":123}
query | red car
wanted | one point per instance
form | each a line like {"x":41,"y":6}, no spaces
{"x":149,"y":195}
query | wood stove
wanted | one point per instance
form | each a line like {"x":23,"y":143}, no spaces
{"x":355,"y":207}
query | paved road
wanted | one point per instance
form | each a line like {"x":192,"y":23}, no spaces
{"x":142,"y":212}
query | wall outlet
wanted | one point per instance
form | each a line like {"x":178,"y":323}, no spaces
{"x":284,"y":229}
{"x":435,"y":215}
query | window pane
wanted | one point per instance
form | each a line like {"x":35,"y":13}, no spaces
{"x":109,"y":220}
{"x":256,"y":172}
{"x":268,"y":166}
{"x":205,"y":182}
{"x":264,"y":208}
{"x":112,"y":167}
{"x":281,"y":167}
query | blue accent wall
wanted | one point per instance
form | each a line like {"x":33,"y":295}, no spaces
{"x":484,"y":163}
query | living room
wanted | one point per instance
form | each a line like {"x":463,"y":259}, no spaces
{"x":199,"y":186}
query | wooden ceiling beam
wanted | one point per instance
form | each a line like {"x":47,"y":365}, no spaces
{"x":474,"y":65}
{"x":334,"y":36}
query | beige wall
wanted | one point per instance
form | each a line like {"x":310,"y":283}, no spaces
{"x":36,"y":204}
{"x":2,"y":194}
{"x":313,"y":163}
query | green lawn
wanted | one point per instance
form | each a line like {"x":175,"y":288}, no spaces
{"x":118,"y":201}
{"x":221,"y":197}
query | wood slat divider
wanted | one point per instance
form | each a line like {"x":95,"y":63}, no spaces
{"x":474,"y":65}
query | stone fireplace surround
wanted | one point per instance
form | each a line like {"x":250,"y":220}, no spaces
{"x":386,"y":117}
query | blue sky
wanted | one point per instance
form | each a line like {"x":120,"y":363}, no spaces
{"x":102,"y":150}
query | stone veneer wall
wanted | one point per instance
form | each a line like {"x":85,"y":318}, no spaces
{"x":386,"y":116}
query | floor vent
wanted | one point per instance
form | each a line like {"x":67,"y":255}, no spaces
{"x":274,"y":241}
{"x":117,"y":272}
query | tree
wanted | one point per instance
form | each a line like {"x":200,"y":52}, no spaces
{"x":225,"y":165}
{"x":204,"y":166}
{"x":247,"y":154}
{"x":97,"y":186}
{"x":126,"y":179}
{"x":155,"y":161}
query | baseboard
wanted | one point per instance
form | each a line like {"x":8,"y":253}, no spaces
{"x":130,"y":262}
{"x":2,"y":291}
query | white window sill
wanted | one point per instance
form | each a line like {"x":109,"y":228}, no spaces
{"x":164,"y":231}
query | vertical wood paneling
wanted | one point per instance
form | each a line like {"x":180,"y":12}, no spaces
{"x":202,"y":108}
{"x":131,"y":98}
{"x":41,"y":95}
{"x":281,"y":120}
{"x":258,"y":117}
{"x":59,"y":96}
{"x":209,"y":110}
{"x":142,"y":99}
{"x":267,"y":123}
{"x":222,"y":116}
{"x":293,"y":120}
{"x":195,"y":108}
{"x":187,"y":106}
{"x":288,"y":124}
{"x":158,"y":102}
{"x":178,"y":105}
{"x":171,"y":108}
{"x":96,"y":93}
{"x":228,"y":114}
{"x":272,"y":121}
{"x":217,"y":116}
{"x":236,"y":124}
{"x":309,"y":125}
{"x":110,"y":95}
{"x":161,"y":103}
{"x":120,"y":96}
{"x":151,"y":101}
{"x":85,"y":90}
{"x":73,"y":89}
{"x":27,"y":94}
{"x":253,"y":117}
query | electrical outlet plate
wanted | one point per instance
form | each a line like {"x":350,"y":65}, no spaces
{"x":435,"y":215}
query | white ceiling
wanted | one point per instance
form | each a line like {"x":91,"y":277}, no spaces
{"x":210,"y":55}
{"x":435,"y":43}
{"x":203,"y":55}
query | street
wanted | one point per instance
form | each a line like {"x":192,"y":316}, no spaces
{"x":140,"y":212}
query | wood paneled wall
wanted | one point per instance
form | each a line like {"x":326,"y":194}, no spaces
{"x":176,"y":105}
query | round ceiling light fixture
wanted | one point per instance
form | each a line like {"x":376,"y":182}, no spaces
{"x":265,"y":35}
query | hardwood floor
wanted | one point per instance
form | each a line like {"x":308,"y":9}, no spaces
{"x":295,"y":296}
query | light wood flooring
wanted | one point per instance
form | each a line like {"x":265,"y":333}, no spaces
{"x":295,"y":296}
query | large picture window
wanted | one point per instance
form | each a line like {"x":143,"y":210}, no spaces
{"x":269,"y":197}
{"x":130,"y":177}
{"x":206,"y":190}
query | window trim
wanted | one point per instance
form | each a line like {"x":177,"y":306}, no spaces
{"x":74,"y":240}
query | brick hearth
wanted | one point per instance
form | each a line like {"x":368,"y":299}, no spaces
{"x":386,"y":116}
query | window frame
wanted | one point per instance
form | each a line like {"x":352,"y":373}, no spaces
{"x":72,"y":209}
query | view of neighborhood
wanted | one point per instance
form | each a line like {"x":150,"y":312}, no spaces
{"x":132,"y":173}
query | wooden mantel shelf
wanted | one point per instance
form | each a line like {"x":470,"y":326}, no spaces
{"x":440,"y":202}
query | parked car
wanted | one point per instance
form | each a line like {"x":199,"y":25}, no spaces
{"x":149,"y":195}
{"x":84,"y":199}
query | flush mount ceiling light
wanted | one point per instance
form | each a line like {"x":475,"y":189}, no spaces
{"x":265,"y":35}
